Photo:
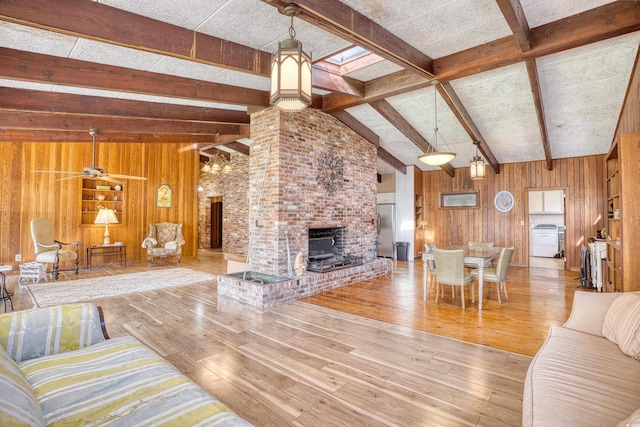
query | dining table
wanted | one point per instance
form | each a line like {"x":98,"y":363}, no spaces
{"x":479,"y":256}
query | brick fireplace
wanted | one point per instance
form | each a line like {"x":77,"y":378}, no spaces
{"x":289,"y":194}
{"x":308,"y":174}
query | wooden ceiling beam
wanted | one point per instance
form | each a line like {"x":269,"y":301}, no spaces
{"x":57,"y":102}
{"x":31,"y":120}
{"x":96,"y":21}
{"x":598,"y":24}
{"x":387,"y":111}
{"x":453,"y":101}
{"x":34,"y":67}
{"x":534,"y":83}
{"x":515,"y":17}
{"x":604,"y":22}
{"x":239,"y":147}
{"x":341,"y":20}
{"x":357,"y":126}
{"x":386,"y":157}
{"x":372,"y":137}
{"x":26,"y":136}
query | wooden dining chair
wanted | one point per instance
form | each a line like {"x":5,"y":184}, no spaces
{"x":498,"y":274}
{"x":431,"y":268}
{"x":450,"y":267}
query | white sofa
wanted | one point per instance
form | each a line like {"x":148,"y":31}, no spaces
{"x":57,"y":367}
{"x":579,"y":377}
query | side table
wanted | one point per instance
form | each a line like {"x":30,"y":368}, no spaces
{"x":4,"y":295}
{"x":104,"y":250}
{"x":34,"y":271}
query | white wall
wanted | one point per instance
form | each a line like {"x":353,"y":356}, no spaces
{"x":405,"y":215}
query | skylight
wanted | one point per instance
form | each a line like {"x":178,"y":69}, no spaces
{"x":348,"y":55}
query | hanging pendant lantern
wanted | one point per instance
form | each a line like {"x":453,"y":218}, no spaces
{"x":477,"y":165}
{"x":290,"y":72}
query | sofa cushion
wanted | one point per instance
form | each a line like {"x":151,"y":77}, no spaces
{"x":580,"y":379}
{"x":18,"y":404}
{"x":622,"y":324}
{"x":123,"y":382}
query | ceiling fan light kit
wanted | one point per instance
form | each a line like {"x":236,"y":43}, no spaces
{"x":435,"y":157}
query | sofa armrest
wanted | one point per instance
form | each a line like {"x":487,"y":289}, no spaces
{"x":38,"y":332}
{"x":588,"y":311}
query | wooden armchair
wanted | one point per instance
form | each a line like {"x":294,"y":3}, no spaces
{"x":48,"y":250}
{"x":164,"y":240}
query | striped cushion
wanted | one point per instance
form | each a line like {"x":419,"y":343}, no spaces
{"x":18,"y":404}
{"x":39,"y":332}
{"x":622,"y":324}
{"x":122,"y":382}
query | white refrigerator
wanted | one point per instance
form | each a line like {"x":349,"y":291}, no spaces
{"x":386,"y":229}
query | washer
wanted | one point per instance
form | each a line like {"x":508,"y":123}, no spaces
{"x":544,"y":240}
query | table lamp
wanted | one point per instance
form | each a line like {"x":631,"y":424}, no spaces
{"x":106,"y":217}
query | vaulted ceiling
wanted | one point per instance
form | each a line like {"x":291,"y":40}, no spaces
{"x":528,"y":79}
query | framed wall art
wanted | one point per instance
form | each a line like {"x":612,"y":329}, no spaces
{"x":164,"y":196}
{"x":459,"y":200}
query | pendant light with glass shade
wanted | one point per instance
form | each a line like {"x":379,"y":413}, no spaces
{"x":290,"y":71}
{"x":433,"y":156}
{"x":478,"y":171}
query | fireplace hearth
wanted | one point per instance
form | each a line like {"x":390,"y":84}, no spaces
{"x":333,"y":263}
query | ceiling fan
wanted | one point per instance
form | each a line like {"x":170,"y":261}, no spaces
{"x":94,"y":172}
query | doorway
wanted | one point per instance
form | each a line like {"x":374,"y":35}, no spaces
{"x":547,"y":228}
{"x":216,"y":223}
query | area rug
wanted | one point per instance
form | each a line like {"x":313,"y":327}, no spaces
{"x":47,"y":293}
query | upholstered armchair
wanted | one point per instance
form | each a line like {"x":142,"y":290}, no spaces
{"x":48,"y":250}
{"x":164,"y":240}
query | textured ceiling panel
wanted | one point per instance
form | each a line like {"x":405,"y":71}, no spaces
{"x":109,"y":54}
{"x":501,"y":105}
{"x":428,"y":25}
{"x":34,"y":40}
{"x":583,"y":107}
{"x":540,"y":12}
{"x":183,"y":13}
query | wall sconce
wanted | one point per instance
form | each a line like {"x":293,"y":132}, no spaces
{"x":477,"y":165}
{"x":291,"y":71}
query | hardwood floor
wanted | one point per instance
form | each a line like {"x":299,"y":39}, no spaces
{"x":356,"y":356}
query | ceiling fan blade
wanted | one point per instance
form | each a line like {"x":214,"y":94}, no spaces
{"x":70,"y":177}
{"x":115,"y":175}
{"x":108,"y":178}
{"x":68,"y":172}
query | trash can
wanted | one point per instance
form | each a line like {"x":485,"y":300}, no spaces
{"x":402,"y":251}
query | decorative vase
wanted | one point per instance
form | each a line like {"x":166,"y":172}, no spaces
{"x":118,"y":187}
{"x":101,"y":197}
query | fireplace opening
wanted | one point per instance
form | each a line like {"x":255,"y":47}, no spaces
{"x":327,"y":250}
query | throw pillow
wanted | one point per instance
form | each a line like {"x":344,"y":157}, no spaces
{"x":18,"y":404}
{"x":622,"y":324}
{"x":633,"y":420}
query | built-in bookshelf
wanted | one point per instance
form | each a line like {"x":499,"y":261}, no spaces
{"x":623,"y":215}
{"x":97,"y":194}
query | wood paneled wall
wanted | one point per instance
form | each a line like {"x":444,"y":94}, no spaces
{"x":581,"y":178}
{"x":25,"y":195}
